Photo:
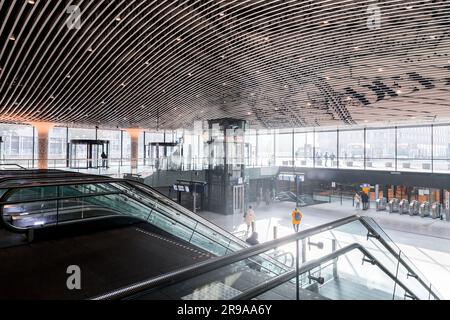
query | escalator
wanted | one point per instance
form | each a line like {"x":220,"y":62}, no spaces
{"x":214,"y":264}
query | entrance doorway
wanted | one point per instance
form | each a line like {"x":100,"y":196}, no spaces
{"x":88,"y":154}
{"x":238,"y":199}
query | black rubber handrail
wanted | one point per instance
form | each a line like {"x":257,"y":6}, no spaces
{"x":220,"y":262}
{"x":308,"y":266}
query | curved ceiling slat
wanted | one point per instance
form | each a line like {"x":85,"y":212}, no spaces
{"x":277,"y":63}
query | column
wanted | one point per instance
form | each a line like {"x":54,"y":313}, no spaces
{"x":134,"y":135}
{"x":42,"y":129}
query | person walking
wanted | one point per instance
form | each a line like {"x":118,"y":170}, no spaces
{"x":326,"y":159}
{"x":104,"y":160}
{"x":297,"y":217}
{"x":250,"y":218}
{"x":357,"y":200}
{"x":365,"y":201}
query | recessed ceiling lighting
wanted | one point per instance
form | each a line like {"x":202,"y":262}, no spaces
{"x":221,"y":14}
{"x":52,"y":97}
{"x":267,"y":38}
{"x":285,"y":86}
{"x":328,"y":78}
{"x":189,"y":74}
{"x":222,"y":56}
{"x":68,"y":76}
{"x":178,"y":39}
{"x":380,"y":69}
{"x":366,"y":121}
{"x":300,"y":59}
{"x":118,"y":19}
{"x":409,"y":7}
{"x":249,"y":113}
{"x":356,"y":48}
{"x":325,"y":22}
{"x":147,"y":63}
{"x":122,"y":84}
{"x":309,"y":104}
{"x":90,"y":49}
{"x":399,"y":91}
{"x":31,"y":1}
{"x":12,"y":38}
{"x":432,"y":37}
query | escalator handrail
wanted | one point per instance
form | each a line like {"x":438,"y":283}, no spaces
{"x":219,"y":262}
{"x":308,"y":266}
{"x":230,"y":236}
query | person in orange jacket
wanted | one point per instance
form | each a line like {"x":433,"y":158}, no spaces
{"x":297,"y":217}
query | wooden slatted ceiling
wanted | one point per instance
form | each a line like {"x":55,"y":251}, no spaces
{"x":291,"y":63}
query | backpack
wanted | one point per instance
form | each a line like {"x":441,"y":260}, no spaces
{"x":297,"y":216}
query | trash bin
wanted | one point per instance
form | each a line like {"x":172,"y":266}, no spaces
{"x":404,"y":207}
{"x":425,"y":209}
{"x":414,"y":208}
{"x":394,"y":205}
{"x":381,"y":204}
{"x":436,"y":210}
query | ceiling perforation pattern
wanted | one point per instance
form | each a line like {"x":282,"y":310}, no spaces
{"x":291,"y":63}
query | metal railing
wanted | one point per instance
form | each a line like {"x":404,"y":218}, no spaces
{"x":220,"y":262}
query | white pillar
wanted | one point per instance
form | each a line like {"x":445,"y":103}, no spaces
{"x":43,"y":129}
{"x":134,"y":135}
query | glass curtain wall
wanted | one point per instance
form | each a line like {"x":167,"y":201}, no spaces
{"x":57,"y":149}
{"x":266,"y":148}
{"x":284,"y":147}
{"x":380,"y":145}
{"x":351,"y":149}
{"x":16,"y":146}
{"x":326,"y":149}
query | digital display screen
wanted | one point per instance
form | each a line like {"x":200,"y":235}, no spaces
{"x":175,"y":187}
{"x":186,"y":189}
{"x":181,"y":188}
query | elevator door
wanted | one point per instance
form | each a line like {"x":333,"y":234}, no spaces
{"x":238,"y":199}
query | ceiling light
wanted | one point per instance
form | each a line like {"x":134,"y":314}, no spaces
{"x":399,"y":91}
{"x":222,"y":56}
{"x":118,"y":19}
{"x":325,"y":22}
{"x":328,"y":78}
{"x":189,"y":74}
{"x":90,"y":49}
{"x":300,"y":59}
{"x":221,"y":14}
{"x":68,"y":76}
{"x":147,"y":63}
{"x":122,"y":84}
{"x":285,"y":86}
{"x":409,"y":7}
{"x":366,"y":121}
{"x":178,"y":39}
{"x":309,"y":104}
{"x":356,"y":48}
{"x":249,"y":113}
{"x":380,"y":69}
{"x":12,"y":38}
{"x":31,"y":1}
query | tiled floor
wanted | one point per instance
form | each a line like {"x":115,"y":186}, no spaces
{"x":424,"y":240}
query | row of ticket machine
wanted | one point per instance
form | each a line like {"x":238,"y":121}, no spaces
{"x":413,"y":208}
